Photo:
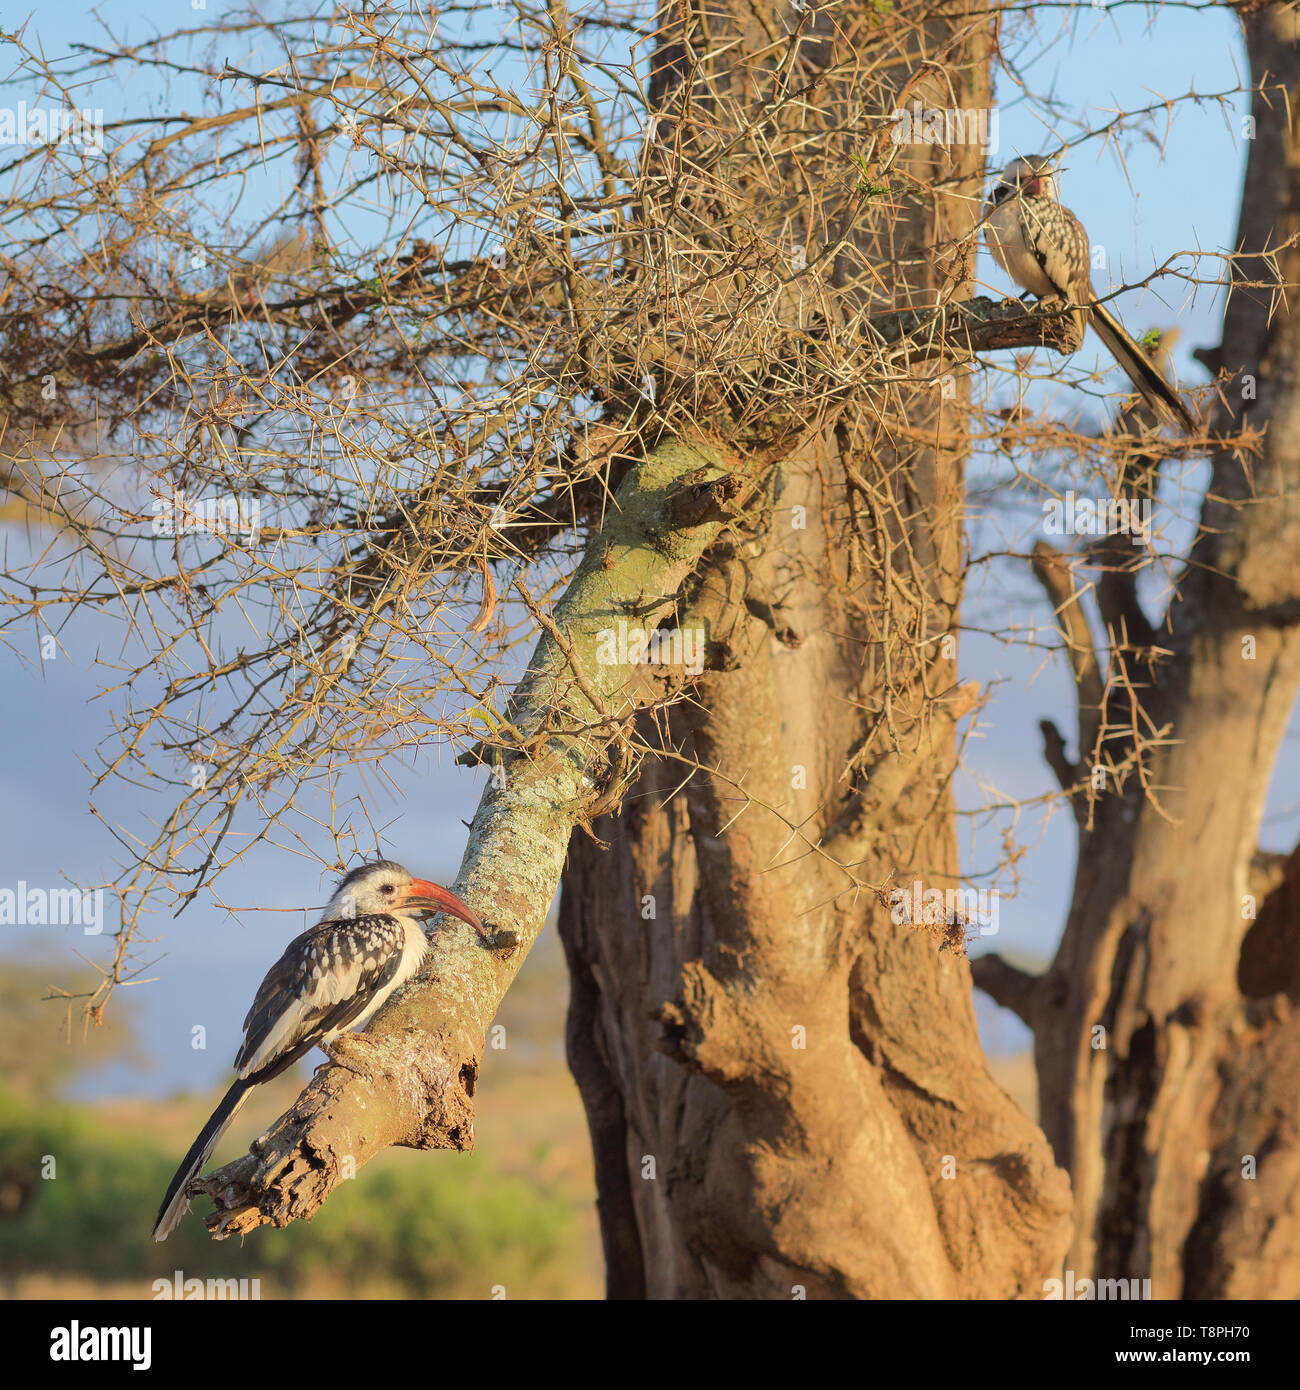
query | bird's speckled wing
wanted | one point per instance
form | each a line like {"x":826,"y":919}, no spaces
{"x":321,"y":984}
{"x":1058,"y":242}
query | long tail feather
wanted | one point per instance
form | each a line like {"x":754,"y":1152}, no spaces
{"x":1140,"y":370}
{"x":176,"y":1203}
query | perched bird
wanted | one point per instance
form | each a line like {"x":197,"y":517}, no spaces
{"x":330,"y":979}
{"x":1044,"y":248}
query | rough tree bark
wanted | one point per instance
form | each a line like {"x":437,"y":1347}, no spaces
{"x":1167,"y":1047}
{"x":786,"y":1091}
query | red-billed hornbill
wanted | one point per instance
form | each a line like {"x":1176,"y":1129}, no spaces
{"x":330,"y":979}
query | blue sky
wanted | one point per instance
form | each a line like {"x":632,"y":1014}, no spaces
{"x":1175,"y":192}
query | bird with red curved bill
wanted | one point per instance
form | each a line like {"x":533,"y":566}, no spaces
{"x":1044,"y":247}
{"x":332,"y":979}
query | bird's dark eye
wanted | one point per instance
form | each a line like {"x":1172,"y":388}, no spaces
{"x":388,"y":889}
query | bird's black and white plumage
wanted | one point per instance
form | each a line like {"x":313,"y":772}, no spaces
{"x":330,"y":979}
{"x":1043,"y":246}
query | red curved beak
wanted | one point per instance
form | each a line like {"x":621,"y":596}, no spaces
{"x":435,"y":898}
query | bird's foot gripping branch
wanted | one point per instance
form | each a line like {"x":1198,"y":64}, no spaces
{"x":411,"y":1082}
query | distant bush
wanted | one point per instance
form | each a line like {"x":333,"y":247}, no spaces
{"x":440,"y":1226}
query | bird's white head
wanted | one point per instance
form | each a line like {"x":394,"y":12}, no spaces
{"x":383,"y":886}
{"x":1031,"y":176}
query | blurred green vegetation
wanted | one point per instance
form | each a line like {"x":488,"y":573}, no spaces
{"x":450,"y":1228}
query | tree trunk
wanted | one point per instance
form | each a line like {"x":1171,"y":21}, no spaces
{"x":785,"y":1088}
{"x":1168,"y":1054}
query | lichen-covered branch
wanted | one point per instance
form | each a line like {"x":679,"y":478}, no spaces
{"x":971,"y":326}
{"x":409,"y":1080}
